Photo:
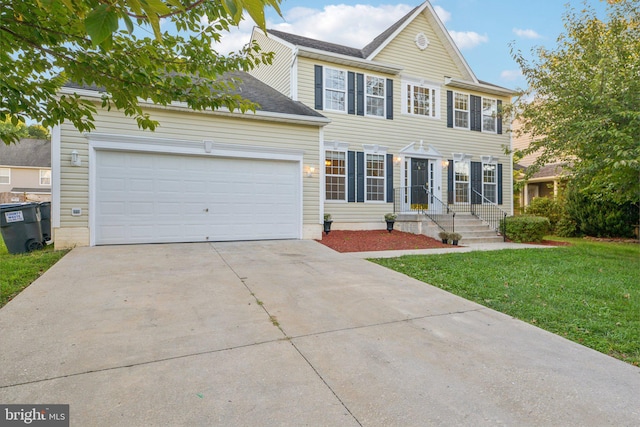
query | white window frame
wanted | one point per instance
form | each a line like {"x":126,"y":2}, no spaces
{"x":408,"y":99}
{"x":493,"y":114}
{"x":337,"y":147}
{"x":326,"y":89}
{"x":467,"y":111}
{"x":466,"y":160}
{"x":46,"y":177}
{"x":368,"y":96}
{"x":5,"y":173}
{"x":375,"y":150}
{"x":494,"y":184}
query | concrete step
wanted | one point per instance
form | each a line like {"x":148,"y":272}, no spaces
{"x":472,"y":229}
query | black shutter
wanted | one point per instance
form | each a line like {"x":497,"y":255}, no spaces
{"x":360,"y":177}
{"x":499,"y":117}
{"x":351,"y":92}
{"x":389,"y":178}
{"x":476,"y":183}
{"x":389,"y":99}
{"x":450,"y":183}
{"x":476,"y":113}
{"x":351,"y":176}
{"x":449,"y":109}
{"x":318,"y":87}
{"x":499,"y":183}
{"x":360,"y":94}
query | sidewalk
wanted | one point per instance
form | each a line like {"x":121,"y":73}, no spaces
{"x":451,"y":250}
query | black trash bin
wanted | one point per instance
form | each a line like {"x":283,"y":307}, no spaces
{"x":45,"y":220}
{"x":20,"y":227}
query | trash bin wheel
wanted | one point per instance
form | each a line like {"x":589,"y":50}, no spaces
{"x":33,"y":245}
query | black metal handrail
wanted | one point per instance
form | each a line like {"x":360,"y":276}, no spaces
{"x":490,"y":213}
{"x":432,"y":207}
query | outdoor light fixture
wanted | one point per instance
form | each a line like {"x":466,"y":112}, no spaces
{"x":75,"y":158}
{"x":310,"y":171}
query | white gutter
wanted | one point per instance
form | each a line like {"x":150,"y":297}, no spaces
{"x":336,"y":58}
{"x":465,"y":84}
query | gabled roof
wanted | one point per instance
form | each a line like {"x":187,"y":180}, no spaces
{"x":26,"y":153}
{"x":386,"y":34}
{"x":368,"y":53}
{"x":268,"y":99}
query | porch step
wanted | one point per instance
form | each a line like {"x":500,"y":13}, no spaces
{"x":472,"y":229}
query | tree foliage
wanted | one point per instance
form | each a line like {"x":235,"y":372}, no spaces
{"x":120,"y":47}
{"x":21,"y":130}
{"x":583,"y":102}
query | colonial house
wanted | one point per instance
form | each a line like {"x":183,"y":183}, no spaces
{"x":407,"y":115}
{"x":402,"y":125}
{"x":25,"y":171}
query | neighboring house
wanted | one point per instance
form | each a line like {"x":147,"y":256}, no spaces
{"x":546,"y":182}
{"x":406,"y":111}
{"x":350,"y":132}
{"x":25,"y":171}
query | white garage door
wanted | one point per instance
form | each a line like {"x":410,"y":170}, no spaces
{"x":159,"y":198}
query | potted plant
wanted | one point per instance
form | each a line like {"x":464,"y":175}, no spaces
{"x":454,"y":238}
{"x":444,"y":236}
{"x":327,"y":223}
{"x":390,"y":218}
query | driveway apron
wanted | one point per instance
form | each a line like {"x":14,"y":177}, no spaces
{"x":287,"y":333}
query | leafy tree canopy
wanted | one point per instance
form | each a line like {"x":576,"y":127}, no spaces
{"x":21,"y":130}
{"x":120,"y":47}
{"x":583,"y":102}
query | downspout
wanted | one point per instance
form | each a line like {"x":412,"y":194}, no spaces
{"x":293,"y":76}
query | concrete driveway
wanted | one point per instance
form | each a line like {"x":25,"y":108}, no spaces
{"x":287,"y":333}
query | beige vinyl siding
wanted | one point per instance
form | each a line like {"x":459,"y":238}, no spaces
{"x":433,"y":63}
{"x":278,"y":74}
{"x":398,"y":133}
{"x":74,"y":186}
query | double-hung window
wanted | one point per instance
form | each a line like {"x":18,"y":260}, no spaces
{"x":335,"y":89}
{"x":422,"y":100}
{"x":335,"y":175}
{"x":489,"y":114}
{"x":375,"y":96}
{"x":461,"y":110}
{"x":45,"y":177}
{"x":462,"y":181}
{"x":5,"y":176}
{"x":489,"y":182}
{"x":375,"y":173}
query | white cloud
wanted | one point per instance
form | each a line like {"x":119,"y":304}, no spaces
{"x":468,"y":39}
{"x":511,"y":75}
{"x":527,"y":34}
{"x":353,"y":26}
{"x":442,"y":14}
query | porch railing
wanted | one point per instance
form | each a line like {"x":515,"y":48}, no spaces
{"x":418,"y":199}
{"x":490,"y":213}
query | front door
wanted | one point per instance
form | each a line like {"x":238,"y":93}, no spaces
{"x":419,"y":181}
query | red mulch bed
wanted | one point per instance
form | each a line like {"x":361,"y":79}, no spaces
{"x":378,"y":240}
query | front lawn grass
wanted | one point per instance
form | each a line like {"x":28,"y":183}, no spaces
{"x":588,"y":292}
{"x":20,"y":270}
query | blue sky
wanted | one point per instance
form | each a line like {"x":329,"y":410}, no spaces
{"x":482,"y":29}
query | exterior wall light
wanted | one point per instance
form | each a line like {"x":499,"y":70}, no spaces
{"x":75,"y":158}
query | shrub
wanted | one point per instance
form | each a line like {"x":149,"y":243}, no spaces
{"x":527,"y":228}
{"x":596,"y":216}
{"x":546,"y":207}
{"x":566,"y":227}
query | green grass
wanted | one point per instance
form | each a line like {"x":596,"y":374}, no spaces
{"x":20,"y":270}
{"x":588,"y":292}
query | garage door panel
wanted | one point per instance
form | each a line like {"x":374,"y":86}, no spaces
{"x":154,"y":198}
